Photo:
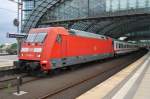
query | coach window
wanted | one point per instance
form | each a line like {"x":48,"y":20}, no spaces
{"x":116,"y":45}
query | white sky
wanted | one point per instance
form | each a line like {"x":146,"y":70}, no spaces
{"x":8,"y":11}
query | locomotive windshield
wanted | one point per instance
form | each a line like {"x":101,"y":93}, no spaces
{"x":36,"y":37}
{"x":40,"y":37}
{"x":31,"y":37}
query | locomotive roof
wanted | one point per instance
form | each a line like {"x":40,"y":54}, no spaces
{"x":87,"y":34}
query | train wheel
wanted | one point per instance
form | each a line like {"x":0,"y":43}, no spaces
{"x":38,"y":73}
{"x":56,"y":71}
{"x":72,"y":68}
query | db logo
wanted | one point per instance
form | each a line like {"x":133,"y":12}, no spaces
{"x":31,"y":49}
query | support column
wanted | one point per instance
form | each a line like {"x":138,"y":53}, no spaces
{"x":105,"y":5}
{"x":146,"y":3}
{"x":119,"y":5}
{"x":110,"y":6}
{"x":18,"y":16}
{"x":128,"y":5}
{"x":88,"y":8}
{"x":21,"y":15}
{"x":137,"y":4}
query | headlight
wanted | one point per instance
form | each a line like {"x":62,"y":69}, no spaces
{"x":24,"y":49}
{"x":38,"y":55}
{"x":44,"y":62}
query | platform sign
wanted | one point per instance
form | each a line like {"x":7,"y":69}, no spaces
{"x":16,"y":35}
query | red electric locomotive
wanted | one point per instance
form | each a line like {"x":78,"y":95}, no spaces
{"x":56,"y":47}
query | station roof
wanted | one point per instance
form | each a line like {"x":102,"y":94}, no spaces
{"x":114,"y":24}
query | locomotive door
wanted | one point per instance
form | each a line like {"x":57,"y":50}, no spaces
{"x":63,"y":45}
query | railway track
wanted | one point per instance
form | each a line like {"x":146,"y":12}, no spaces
{"x":7,"y":72}
{"x":9,"y":78}
{"x":73,"y":83}
{"x":11,"y":81}
{"x":55,"y":92}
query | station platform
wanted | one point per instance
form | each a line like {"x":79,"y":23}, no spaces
{"x":133,"y":82}
{"x":6,"y":62}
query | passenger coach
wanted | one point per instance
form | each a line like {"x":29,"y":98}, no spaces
{"x":121,"y":47}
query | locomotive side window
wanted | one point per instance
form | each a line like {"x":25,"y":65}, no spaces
{"x":59,"y":38}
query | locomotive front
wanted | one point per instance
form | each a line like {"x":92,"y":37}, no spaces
{"x":31,"y":50}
